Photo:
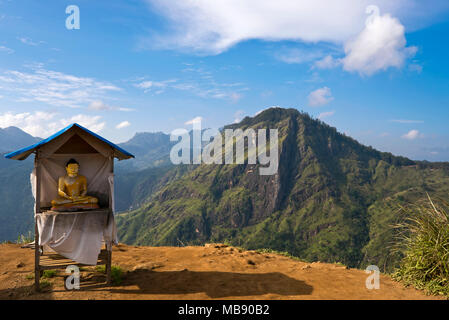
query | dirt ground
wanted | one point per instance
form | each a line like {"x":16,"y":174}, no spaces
{"x":209,"y":272}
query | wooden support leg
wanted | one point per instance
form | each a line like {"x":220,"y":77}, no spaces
{"x":37,"y":274}
{"x":109,"y":263}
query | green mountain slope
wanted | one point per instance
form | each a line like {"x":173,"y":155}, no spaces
{"x":332,"y":198}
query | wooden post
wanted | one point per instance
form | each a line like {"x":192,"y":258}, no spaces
{"x":109,"y":263}
{"x":36,"y":229}
{"x":109,"y":243}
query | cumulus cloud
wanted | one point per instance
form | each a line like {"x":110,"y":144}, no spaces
{"x":43,"y":124}
{"x":123,"y":124}
{"x":212,"y":27}
{"x":380,"y":45}
{"x":411,"y":135}
{"x":320,"y":97}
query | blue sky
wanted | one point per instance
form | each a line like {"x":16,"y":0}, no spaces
{"x":379,"y":74}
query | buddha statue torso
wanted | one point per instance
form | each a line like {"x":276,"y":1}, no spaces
{"x":72,"y":190}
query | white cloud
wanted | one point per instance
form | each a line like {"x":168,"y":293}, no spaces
{"x":295,"y":55}
{"x":160,"y":85}
{"x":194,"y":121}
{"x":43,"y":124}
{"x":320,"y":97}
{"x":29,"y":41}
{"x":99,"y":105}
{"x":380,"y":45}
{"x":212,"y":27}
{"x":326,"y":114}
{"x":411,"y":135}
{"x":6,"y":49}
{"x":198,"y":82}
{"x":123,"y":124}
{"x":53,"y":88}
{"x":328,"y":62}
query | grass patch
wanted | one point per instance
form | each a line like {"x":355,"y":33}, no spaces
{"x":281,"y":253}
{"x":424,"y":240}
{"x":116,"y":273}
{"x":49,"y":274}
{"x":45,"y":284}
{"x":29,"y":276}
{"x":24,"y":239}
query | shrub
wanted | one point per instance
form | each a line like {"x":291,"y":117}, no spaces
{"x":424,"y":240}
{"x":49,"y":273}
{"x":24,"y":239}
{"x":116,"y":273}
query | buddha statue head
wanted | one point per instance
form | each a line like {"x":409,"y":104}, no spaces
{"x":72,"y":167}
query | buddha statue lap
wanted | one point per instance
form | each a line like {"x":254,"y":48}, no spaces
{"x":72,"y":191}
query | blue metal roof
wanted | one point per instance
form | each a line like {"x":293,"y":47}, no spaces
{"x":28,"y":150}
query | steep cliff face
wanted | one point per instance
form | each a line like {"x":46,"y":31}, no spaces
{"x":332,"y":199}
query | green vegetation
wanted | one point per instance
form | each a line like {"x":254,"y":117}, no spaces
{"x":116,"y":273}
{"x":24,"y":239}
{"x":281,"y":253}
{"x":45,"y":284}
{"x":29,"y":276}
{"x":424,"y":239}
{"x":47,"y":274}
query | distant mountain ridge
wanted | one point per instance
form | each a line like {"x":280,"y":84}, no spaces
{"x":152,"y":149}
{"x":332,"y":199}
{"x":12,"y":138}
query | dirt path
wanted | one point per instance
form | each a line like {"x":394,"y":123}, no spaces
{"x":211,"y":272}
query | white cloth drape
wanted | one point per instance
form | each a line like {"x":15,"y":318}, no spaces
{"x":78,"y":235}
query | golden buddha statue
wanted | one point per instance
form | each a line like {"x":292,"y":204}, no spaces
{"x":72,"y":190}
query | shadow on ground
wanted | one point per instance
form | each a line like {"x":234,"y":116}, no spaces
{"x":214,"y":284}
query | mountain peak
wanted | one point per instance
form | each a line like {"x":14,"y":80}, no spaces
{"x":12,"y":138}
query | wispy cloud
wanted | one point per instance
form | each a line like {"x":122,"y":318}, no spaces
{"x":406,"y":121}
{"x":198,"y":82}
{"x":123,"y":124}
{"x":328,"y":62}
{"x":6,"y":49}
{"x":320,"y":97}
{"x":29,"y":41}
{"x":297,"y":56}
{"x":53,"y":88}
{"x":99,"y":105}
{"x":326,"y":114}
